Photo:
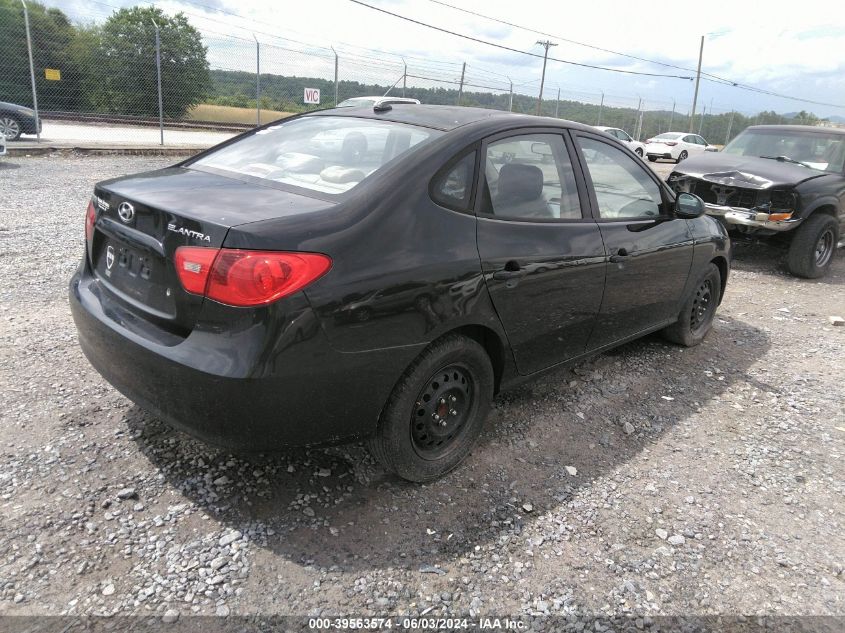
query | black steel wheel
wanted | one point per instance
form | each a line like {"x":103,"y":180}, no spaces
{"x":436,"y":411}
{"x":813,"y":246}
{"x":441,"y":411}
{"x":703,"y":306}
{"x":699,"y":310}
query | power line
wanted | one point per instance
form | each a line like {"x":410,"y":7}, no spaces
{"x":707,"y":76}
{"x":515,"y":50}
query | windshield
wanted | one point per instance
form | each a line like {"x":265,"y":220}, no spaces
{"x":321,"y":153}
{"x":817,"y":150}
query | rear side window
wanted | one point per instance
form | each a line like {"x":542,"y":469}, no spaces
{"x":530,"y":177}
{"x":452,"y":187}
{"x":321,"y":153}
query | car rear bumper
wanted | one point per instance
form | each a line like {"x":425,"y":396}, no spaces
{"x":749,"y":217}
{"x":259,"y":388}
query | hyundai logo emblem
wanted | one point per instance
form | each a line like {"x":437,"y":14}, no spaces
{"x":126,"y":212}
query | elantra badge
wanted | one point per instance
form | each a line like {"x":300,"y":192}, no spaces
{"x":126,"y":212}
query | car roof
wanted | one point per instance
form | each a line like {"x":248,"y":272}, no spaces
{"x":445,"y":118}
{"x":818,"y":129}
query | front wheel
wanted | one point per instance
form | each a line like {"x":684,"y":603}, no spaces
{"x":697,"y":315}
{"x":682,"y":156}
{"x":639,"y":152}
{"x":652,"y":159}
{"x":436,"y":411}
{"x":812,"y":248}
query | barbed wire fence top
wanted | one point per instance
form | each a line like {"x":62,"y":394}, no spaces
{"x":140,"y":75}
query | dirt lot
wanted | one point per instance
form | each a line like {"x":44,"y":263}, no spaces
{"x":652,"y":480}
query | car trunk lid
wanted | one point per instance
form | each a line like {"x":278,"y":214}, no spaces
{"x":143,"y":219}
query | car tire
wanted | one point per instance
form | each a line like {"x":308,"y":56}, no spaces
{"x":652,"y":159}
{"x":639,"y":152}
{"x":682,"y":156}
{"x":413,"y":438}
{"x":813,"y":246}
{"x":10,"y":127}
{"x":697,"y":315}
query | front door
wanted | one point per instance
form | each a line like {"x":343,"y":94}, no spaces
{"x":542,"y":258}
{"x":649,"y":251}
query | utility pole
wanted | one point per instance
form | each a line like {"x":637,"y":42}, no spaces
{"x":158,"y":77}
{"x":461,"y":89}
{"x":545,"y":44}
{"x":701,"y":119}
{"x":32,"y":73}
{"x":672,"y":116}
{"x":557,"y":103}
{"x":404,"y":76}
{"x":638,"y":119}
{"x":601,"y":107}
{"x":697,"y":81}
{"x":510,"y":96}
{"x":730,"y":125}
{"x":335,"y":77}
{"x":258,"y":80}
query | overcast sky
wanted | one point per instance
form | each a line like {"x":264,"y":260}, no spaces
{"x":791,"y":48}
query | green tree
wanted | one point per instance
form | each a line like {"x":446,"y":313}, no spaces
{"x":52,"y":36}
{"x":123,"y":75}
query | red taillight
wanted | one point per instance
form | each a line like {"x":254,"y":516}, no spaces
{"x":193,"y":265}
{"x":247,"y":278}
{"x":90,"y":219}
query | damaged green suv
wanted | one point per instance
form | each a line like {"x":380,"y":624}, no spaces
{"x":784,"y":182}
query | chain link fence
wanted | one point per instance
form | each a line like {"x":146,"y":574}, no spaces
{"x":141,"y":76}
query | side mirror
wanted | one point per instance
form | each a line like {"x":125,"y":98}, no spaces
{"x":689,"y":206}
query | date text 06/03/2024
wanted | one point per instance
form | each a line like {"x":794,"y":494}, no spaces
{"x":413,"y":624}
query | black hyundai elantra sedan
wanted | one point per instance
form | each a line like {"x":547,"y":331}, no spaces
{"x":381,"y":274}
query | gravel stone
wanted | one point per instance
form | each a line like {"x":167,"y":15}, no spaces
{"x":726,"y":499}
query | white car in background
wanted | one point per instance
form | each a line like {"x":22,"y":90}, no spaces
{"x":676,"y":146}
{"x":636,"y":147}
{"x":372,"y":102}
{"x":2,"y":144}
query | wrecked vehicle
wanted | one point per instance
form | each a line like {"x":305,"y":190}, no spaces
{"x":783,"y":182}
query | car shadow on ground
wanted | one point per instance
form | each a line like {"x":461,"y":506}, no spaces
{"x":768,"y":258}
{"x":335,"y":506}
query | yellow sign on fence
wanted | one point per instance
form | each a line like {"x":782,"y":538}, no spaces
{"x":52,"y":74}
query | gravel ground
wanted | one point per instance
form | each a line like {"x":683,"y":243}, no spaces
{"x":648,"y":481}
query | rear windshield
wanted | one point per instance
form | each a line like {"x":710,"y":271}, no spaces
{"x":816,"y":150}
{"x":321,"y":153}
{"x":668,"y":136}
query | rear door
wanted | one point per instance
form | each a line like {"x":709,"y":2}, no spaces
{"x":542,"y":257}
{"x":649,"y":251}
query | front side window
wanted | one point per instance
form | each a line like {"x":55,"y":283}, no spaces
{"x":623,"y":187}
{"x":320,"y":153}
{"x":530,"y":177}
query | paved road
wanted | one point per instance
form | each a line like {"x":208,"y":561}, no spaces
{"x":62,"y":132}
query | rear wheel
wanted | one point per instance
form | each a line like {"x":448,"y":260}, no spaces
{"x":639,"y":152}
{"x":697,"y":315}
{"x":652,"y":159}
{"x":10,"y":127}
{"x":813,"y":246}
{"x":682,"y":156}
{"x":436,"y":411}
